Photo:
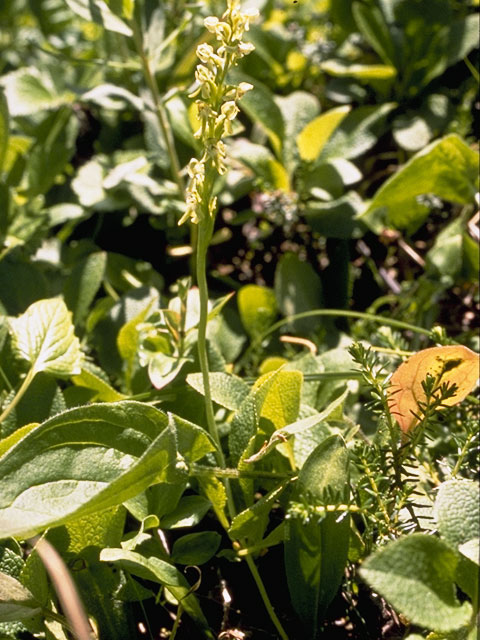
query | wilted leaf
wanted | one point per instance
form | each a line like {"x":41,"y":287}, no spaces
{"x":451,"y":364}
{"x":43,"y":336}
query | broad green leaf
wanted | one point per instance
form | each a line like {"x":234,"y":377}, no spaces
{"x":128,"y":339}
{"x":251,"y":523}
{"x":374,"y":28}
{"x":257,"y":307}
{"x":83,"y":283}
{"x":471,"y":550}
{"x":101,"y":529}
{"x":34,"y":577}
{"x":416,"y":575}
{"x":44,"y":337}
{"x":156,"y":570}
{"x":196,"y":548}
{"x":316,"y":546}
{"x":16,"y":601}
{"x":272,"y":404}
{"x":215,"y":492}
{"x":312,"y":139}
{"x":42,"y":399}
{"x":360,"y":71}
{"x":260,"y":107}
{"x":358,"y":132}
{"x":278,"y":400}
{"x":189,"y":512}
{"x":297,"y":289}
{"x":54,"y":147}
{"x":445,"y":258}
{"x":27,"y":92}
{"x":4,"y":129}
{"x":298,"y":109}
{"x":101,"y":390}
{"x":89,"y":459}
{"x":13,"y":438}
{"x":457,"y":511}
{"x":227,"y":390}
{"x":300,"y":428}
{"x":447,"y":168}
{"x":99,"y":12}
{"x":109,"y":96}
{"x":337,"y":218}
{"x":269,"y":172}
{"x":411,"y":132}
{"x":458,"y":39}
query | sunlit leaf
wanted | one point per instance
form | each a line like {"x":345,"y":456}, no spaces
{"x":454,"y":364}
{"x":44,"y":337}
{"x":315,"y":135}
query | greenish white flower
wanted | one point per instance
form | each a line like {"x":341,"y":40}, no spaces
{"x":217,"y":107}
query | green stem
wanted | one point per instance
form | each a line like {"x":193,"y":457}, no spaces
{"x":202,"y":471}
{"x":264,"y":595}
{"x":24,"y":386}
{"x":203,"y":238}
{"x":205,"y":231}
{"x":360,"y":315}
{"x":159,"y":108}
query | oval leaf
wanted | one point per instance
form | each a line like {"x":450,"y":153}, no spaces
{"x":416,"y":575}
{"x":44,"y":337}
{"x":315,"y":135}
{"x":454,"y":364}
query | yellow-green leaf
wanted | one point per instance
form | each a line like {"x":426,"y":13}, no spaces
{"x":316,"y":134}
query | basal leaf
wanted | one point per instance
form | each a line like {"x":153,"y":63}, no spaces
{"x":44,"y":337}
{"x":416,"y":575}
{"x":156,"y":570}
{"x":83,"y":283}
{"x":457,"y":511}
{"x":358,"y":132}
{"x":99,"y":12}
{"x":89,"y":459}
{"x":316,"y":546}
{"x":227,"y":390}
{"x":316,"y":134}
{"x":196,"y":548}
{"x":360,"y":71}
{"x":257,"y":307}
{"x":273,"y":403}
{"x":298,"y":288}
{"x":447,"y":168}
{"x":16,"y":602}
{"x":297,"y":109}
{"x":453,"y":364}
{"x":260,"y":107}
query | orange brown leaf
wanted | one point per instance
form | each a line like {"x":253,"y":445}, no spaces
{"x":454,"y":364}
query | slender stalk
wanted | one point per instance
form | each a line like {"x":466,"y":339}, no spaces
{"x":333,"y":313}
{"x":264,"y":595}
{"x":159,"y":108}
{"x":202,"y":337}
{"x":24,"y":386}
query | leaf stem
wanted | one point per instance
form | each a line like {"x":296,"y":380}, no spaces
{"x":159,"y":108}
{"x":264,"y":595}
{"x":18,"y":396}
{"x":360,"y":315}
